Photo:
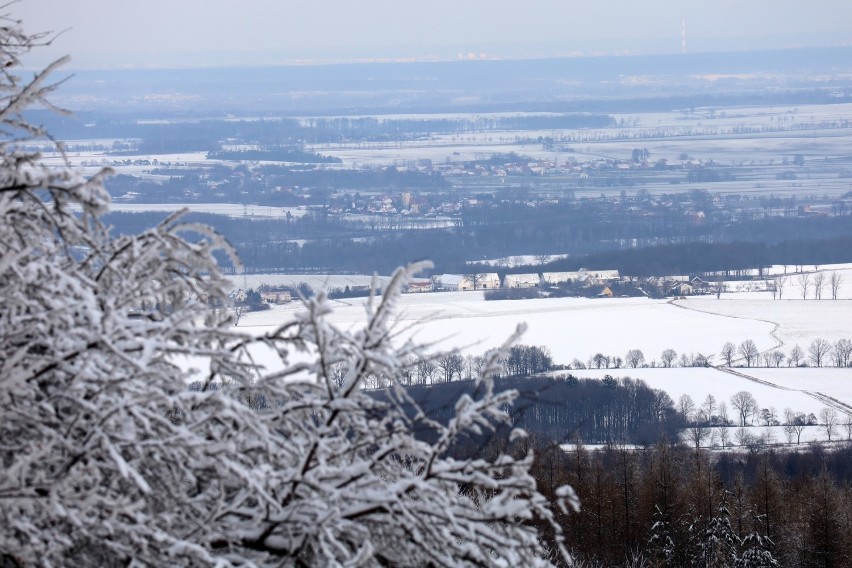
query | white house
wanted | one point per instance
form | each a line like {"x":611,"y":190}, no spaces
{"x":581,"y":276}
{"x":521,"y":281}
{"x":448,"y":282}
{"x":477,"y":281}
{"x":416,"y":286}
{"x":480,"y":281}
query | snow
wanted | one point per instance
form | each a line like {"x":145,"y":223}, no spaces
{"x":570,"y":327}
{"x":798,"y":321}
{"x":315,"y":281}
{"x":228,"y":209}
{"x":803,"y":390}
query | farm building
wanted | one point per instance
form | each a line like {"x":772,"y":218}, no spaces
{"x":448,"y":282}
{"x":588,"y":277}
{"x":416,"y":286}
{"x":521,"y":281}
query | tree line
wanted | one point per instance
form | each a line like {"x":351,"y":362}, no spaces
{"x":666,"y":505}
{"x":566,"y":408}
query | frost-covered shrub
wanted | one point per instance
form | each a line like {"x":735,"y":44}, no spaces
{"x":108,"y":458}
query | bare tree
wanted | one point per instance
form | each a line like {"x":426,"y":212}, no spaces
{"x":697,"y":432}
{"x":723,"y":413}
{"x":819,"y":350}
{"x":720,"y":287}
{"x":794,"y":424}
{"x":749,"y":351}
{"x":834,"y":282}
{"x":780,"y":282}
{"x":542,"y":259}
{"x":842,"y":350}
{"x":828,"y":418}
{"x":745,"y":404}
{"x":729,"y":350}
{"x":776,"y":358}
{"x":743,"y":436}
{"x":724,"y":436}
{"x":451,"y":365}
{"x":805,"y":284}
{"x":708,"y":407}
{"x":634,"y":358}
{"x":667,"y":356}
{"x":796,"y":356}
{"x":819,"y":284}
{"x":476,"y":279}
{"x":425,"y":371}
{"x":686,"y":406}
{"x":847,"y":425}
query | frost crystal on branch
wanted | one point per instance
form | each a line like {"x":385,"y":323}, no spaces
{"x":108,"y":458}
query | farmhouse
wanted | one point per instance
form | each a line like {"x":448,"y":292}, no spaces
{"x":480,"y":281}
{"x":682,"y":289}
{"x":418,"y":286}
{"x":448,"y":282}
{"x":584,"y":276}
{"x":521,"y":281}
{"x":276,"y":298}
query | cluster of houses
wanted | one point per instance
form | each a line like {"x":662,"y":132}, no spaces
{"x":491,"y":280}
{"x":664,"y":285}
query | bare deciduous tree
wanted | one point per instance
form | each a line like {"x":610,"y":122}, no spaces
{"x":834,"y":283}
{"x":729,"y":350}
{"x":686,"y":406}
{"x":828,"y":421}
{"x":842,"y":351}
{"x":819,"y":284}
{"x":634,"y":358}
{"x":748,"y":350}
{"x":667,"y":356}
{"x":794,"y":424}
{"x":780,"y":282}
{"x":818,"y":351}
{"x":796,"y":356}
{"x":745,"y":404}
{"x":804,"y":284}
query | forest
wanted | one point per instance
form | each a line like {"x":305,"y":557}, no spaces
{"x":667,"y":505}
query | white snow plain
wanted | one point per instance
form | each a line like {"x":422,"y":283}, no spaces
{"x":579,"y":328}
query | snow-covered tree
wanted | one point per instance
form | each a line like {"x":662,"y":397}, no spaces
{"x":276,"y":456}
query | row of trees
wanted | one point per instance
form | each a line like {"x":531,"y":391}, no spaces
{"x":635,"y":358}
{"x":710,"y":421}
{"x":566,"y":407}
{"x":806,"y":281}
{"x":820,"y":353}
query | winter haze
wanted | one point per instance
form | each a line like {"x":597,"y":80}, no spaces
{"x":389,"y":283}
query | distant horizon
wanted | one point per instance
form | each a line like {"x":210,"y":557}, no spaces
{"x":104,"y":34}
{"x":402,"y":60}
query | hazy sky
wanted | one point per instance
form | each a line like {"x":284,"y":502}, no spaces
{"x":176,"y":33}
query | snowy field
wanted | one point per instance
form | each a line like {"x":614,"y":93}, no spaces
{"x":229,"y":209}
{"x":578,"y":328}
{"x":798,"y":321}
{"x":570,"y":327}
{"x":802,"y":390}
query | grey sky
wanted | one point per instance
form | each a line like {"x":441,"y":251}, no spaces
{"x":174,"y":33}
